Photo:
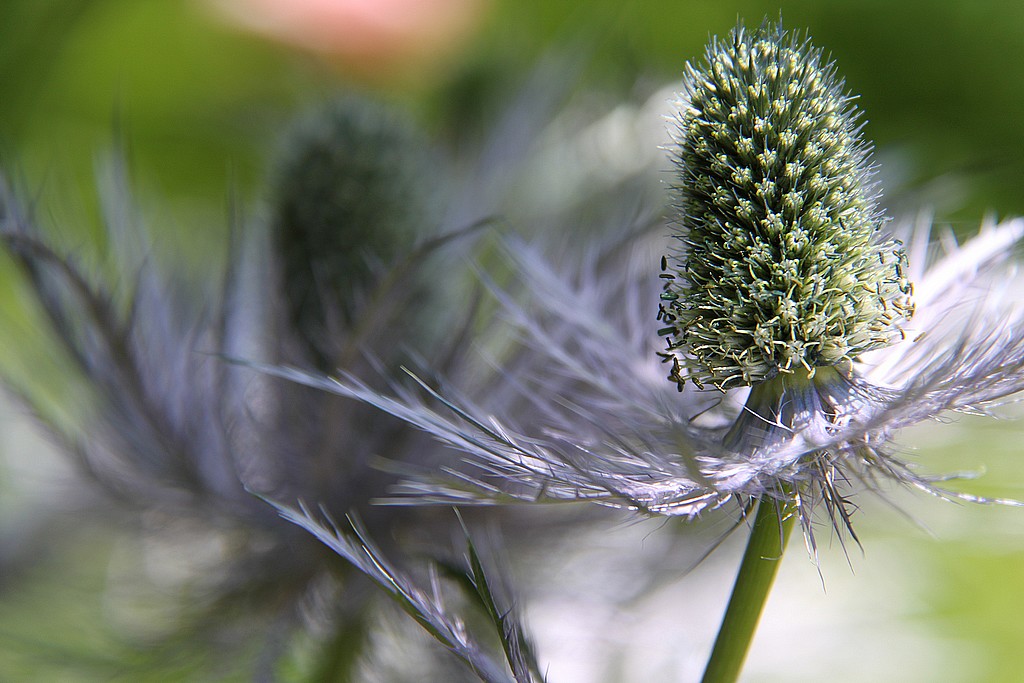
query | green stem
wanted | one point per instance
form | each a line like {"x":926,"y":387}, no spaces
{"x":761,"y":560}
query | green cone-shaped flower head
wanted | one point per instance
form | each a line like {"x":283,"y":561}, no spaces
{"x":782,"y":265}
{"x":354,"y":186}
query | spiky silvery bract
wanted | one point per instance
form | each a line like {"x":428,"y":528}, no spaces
{"x":782,"y":266}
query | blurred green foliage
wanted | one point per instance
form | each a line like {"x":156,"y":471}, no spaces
{"x":199,"y":102}
{"x":939,"y":80}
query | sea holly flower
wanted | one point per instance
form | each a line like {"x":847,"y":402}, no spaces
{"x":782,"y":278}
{"x":355,"y":184}
{"x":796,"y":345}
{"x":782,"y":265}
{"x":796,"y":349}
{"x":182,"y":439}
{"x":357,"y":232}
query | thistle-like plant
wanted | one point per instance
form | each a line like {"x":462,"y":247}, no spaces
{"x":182,"y":439}
{"x":795,"y":350}
{"x":782,"y":267}
{"x":796,"y":345}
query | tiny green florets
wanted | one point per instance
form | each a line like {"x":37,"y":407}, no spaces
{"x":782,"y":263}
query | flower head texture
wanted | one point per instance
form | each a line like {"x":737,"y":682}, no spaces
{"x":784,"y":300}
{"x":782,"y":266}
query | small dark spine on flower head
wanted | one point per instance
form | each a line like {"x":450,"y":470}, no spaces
{"x":781,"y":264}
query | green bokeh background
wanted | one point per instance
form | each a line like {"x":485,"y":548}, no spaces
{"x":942,"y":85}
{"x":939,"y":82}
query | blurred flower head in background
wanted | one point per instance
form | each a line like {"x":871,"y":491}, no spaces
{"x":359,"y":263}
{"x":182,"y":438}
